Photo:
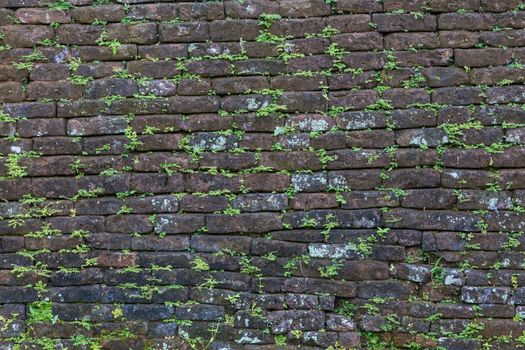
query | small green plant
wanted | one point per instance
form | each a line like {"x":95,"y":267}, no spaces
{"x":198,"y":264}
{"x":438,"y":273}
{"x":60,"y":5}
{"x":331,"y":270}
{"x":41,"y":311}
{"x":113,"y":44}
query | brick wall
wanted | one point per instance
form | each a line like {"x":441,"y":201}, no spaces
{"x":260,"y":174}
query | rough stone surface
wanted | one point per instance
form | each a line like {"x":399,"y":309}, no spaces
{"x":262,"y":174}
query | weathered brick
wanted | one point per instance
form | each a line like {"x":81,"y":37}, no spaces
{"x":467,"y":21}
{"x":12,"y":92}
{"x":96,"y":125}
{"x":404,"y":41}
{"x":107,"y":87}
{"x":60,"y":89}
{"x":184,"y":32}
{"x":250,"y":8}
{"x":404,"y":22}
{"x":358,"y":6}
{"x":359,"y":41}
{"x":385,"y":289}
{"x":243,"y":223}
{"x":26,"y":35}
{"x":484,"y":295}
{"x":440,"y":76}
{"x":182,"y":223}
{"x":350,"y":23}
{"x":482,"y":57}
{"x":460,"y":96}
{"x":450,"y":6}
{"x":41,"y":127}
{"x":433,"y":220}
{"x":304,"y":8}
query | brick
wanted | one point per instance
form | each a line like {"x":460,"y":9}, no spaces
{"x":170,"y":243}
{"x":250,"y":8}
{"x":55,"y":187}
{"x":494,"y":75}
{"x":359,"y":41}
{"x":429,"y":137}
{"x":440,"y":76}
{"x":411,"y":5}
{"x":384,"y":289}
{"x":181,"y":223}
{"x":155,"y":12}
{"x":307,"y":201}
{"x":157,"y":183}
{"x":467,"y":21}
{"x":236,"y":85}
{"x":433,"y":220}
{"x":361,"y":120}
{"x":482,"y":57}
{"x":352,"y":159}
{"x":450,"y":6}
{"x":208,"y":68}
{"x":413,"y":118}
{"x":484,"y":295}
{"x":55,"y":90}
{"x":96,"y":125}
{"x":304,"y":8}
{"x":438,"y":57}
{"x":353,"y":100}
{"x":157,"y":70}
{"x":8,"y":73}
{"x":354,"y":179}
{"x":368,"y":139}
{"x":458,"y":39}
{"x":289,"y":83}
{"x":49,"y":72}
{"x":284,"y":321}
{"x":506,"y":94}
{"x":457,"y":96}
{"x":231,"y":30}
{"x":302,"y":101}
{"x":183,"y":32}
{"x":473,"y":199}
{"x":106,"y":87}
{"x":429,"y":199}
{"x":350,"y":23}
{"x":5,"y":16}
{"x":243,"y":223}
{"x":404,"y":41}
{"x":510,"y":38}
{"x":12,"y":92}
{"x":76,"y":34}
{"x":404,"y":22}
{"x":403,"y":98}
{"x":163,"y":51}
{"x":26,"y":35}
{"x":368,"y":199}
{"x":42,"y":16}
{"x":201,"y":11}
{"x":41,"y":127}
{"x":358,"y":6}
{"x":153,"y":204}
{"x":260,"y":202}
{"x":349,"y":81}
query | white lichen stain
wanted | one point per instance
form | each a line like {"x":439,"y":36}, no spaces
{"x":304,"y":181}
{"x":245,"y":339}
{"x":334,"y":251}
{"x":15,"y":149}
